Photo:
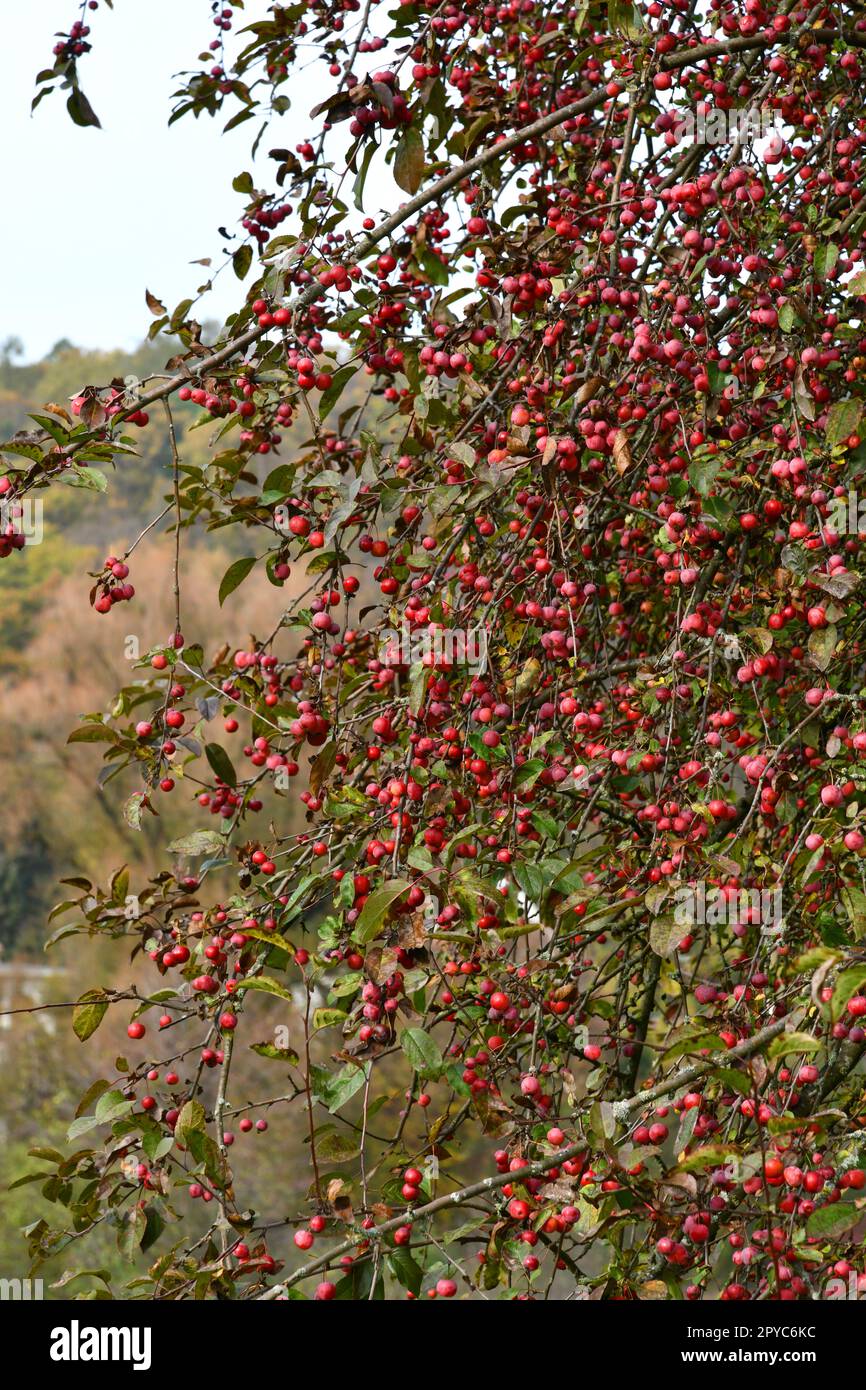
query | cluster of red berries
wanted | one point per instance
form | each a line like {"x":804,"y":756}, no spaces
{"x":112,"y":405}
{"x":261,"y":221}
{"x":73,"y":44}
{"x":111,"y":588}
{"x":215,"y":405}
{"x":386,"y":111}
{"x":12,"y":537}
{"x":222,"y":19}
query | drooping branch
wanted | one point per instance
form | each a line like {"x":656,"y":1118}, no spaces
{"x":434,"y":193}
{"x":620,"y":1111}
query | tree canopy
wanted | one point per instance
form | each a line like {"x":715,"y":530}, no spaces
{"x":556,"y":462}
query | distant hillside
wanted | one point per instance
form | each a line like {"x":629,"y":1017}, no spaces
{"x":58,"y":658}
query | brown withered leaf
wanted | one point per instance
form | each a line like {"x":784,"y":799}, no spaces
{"x":621,"y":452}
{"x":340,"y":1199}
{"x":412,"y":932}
{"x":654,"y":1291}
{"x":92,"y":413}
{"x":587,"y":389}
{"x":380,"y":962}
{"x":360,"y":1049}
{"x":58,"y":410}
{"x":518,"y":446}
{"x":240,"y":1220}
{"x":685,"y":1182}
{"x":557,"y":1192}
{"x":154,"y":305}
{"x":383,"y":94}
{"x":322,"y":766}
{"x":550,"y":444}
{"x":492,"y":1112}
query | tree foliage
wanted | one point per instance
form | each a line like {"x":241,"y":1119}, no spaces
{"x":573,"y":695}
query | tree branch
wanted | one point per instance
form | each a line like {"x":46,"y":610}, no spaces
{"x":621,"y":1111}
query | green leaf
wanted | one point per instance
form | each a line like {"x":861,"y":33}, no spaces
{"x":787,"y":316}
{"x":132,"y":810}
{"x":825,"y":259}
{"x":71,"y":1275}
{"x":332,"y":393}
{"x":833,"y":1221}
{"x":90,"y":1097}
{"x":358,"y":185}
{"x":221,"y":763}
{"x":93,"y":733}
{"x":80,"y":109}
{"x":328,"y":1018}
{"x":199,"y":842}
{"x":89,"y":1013}
{"x":235,"y":575}
{"x":154,"y":1227}
{"x":242,"y":260}
{"x":78,"y":475}
{"x":693,"y":1040}
{"x":376,"y":909}
{"x":709,"y":1156}
{"x":333,"y":1090}
{"x":419,"y":676}
{"x":435,"y":271}
{"x":267,"y":986}
{"x":854,"y":901}
{"x":405,"y":1270}
{"x":206,"y":1154}
{"x":22,"y":449}
{"x":531,"y":880}
{"x":787,"y":1043}
{"x":843,"y":419}
{"x":665,"y":934}
{"x":622,"y":15}
{"x":111,"y":1104}
{"x":337,"y":1148}
{"x":421,"y":1051}
{"x":733,"y":1080}
{"x":81,"y":1126}
{"x":409,"y":161}
{"x":528,"y":774}
{"x":190,"y":1119}
{"x":703,"y":472}
{"x":849,"y":983}
{"x":822,"y":645}
{"x":130,"y":1232}
{"x":276,"y":1054}
{"x":156,"y":1145}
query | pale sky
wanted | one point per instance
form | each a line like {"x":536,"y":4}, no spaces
{"x":93,"y":217}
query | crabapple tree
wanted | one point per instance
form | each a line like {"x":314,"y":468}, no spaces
{"x":556,"y":458}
